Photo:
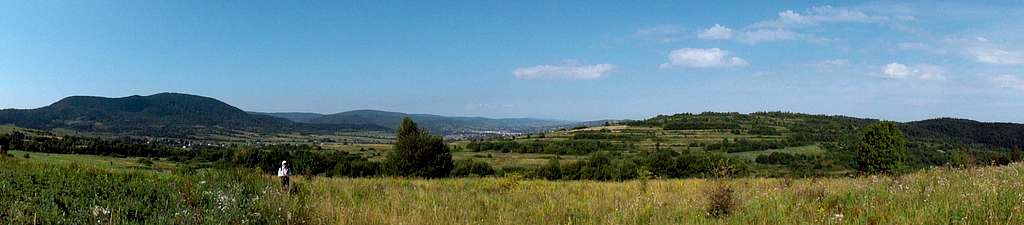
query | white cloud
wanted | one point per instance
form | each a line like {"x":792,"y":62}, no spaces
{"x":831,"y":65}
{"x":816,"y":16}
{"x":765,"y":35}
{"x":662,"y":33}
{"x":918,"y":46}
{"x":702,"y":58}
{"x":1007,"y":81}
{"x":762,"y":35}
{"x":897,"y":70}
{"x":993,"y":55}
{"x":566,"y":70}
{"x":717,"y":32}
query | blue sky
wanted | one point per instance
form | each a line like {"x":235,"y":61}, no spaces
{"x":577,"y":60}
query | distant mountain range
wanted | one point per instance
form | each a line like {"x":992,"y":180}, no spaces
{"x":446,"y":125}
{"x":441,"y":124}
{"x":165,"y":114}
{"x":300,"y":117}
{"x":182,"y":115}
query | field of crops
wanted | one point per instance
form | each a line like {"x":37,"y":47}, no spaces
{"x":80,"y":190}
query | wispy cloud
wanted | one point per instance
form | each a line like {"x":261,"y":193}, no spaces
{"x":901,"y":71}
{"x":791,"y":25}
{"x":994,"y":55}
{"x":702,"y":58}
{"x":661,"y":33}
{"x":1008,"y":81}
{"x":716,"y":32}
{"x":831,"y":65}
{"x":816,"y":16}
{"x":565,"y":70}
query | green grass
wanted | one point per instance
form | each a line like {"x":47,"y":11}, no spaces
{"x":993,"y":195}
{"x":498,"y":159}
{"x":77,"y":190}
{"x":102,"y":162}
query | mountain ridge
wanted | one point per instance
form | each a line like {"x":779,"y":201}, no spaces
{"x":162,"y":114}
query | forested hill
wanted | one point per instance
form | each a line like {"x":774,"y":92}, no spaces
{"x":440,"y":124}
{"x":165,"y":114}
{"x":1004,"y":135}
{"x":300,"y":117}
{"x":833,"y":127}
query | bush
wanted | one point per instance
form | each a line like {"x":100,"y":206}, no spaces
{"x":721,"y":201}
{"x":881,"y":149}
{"x":551,"y":171}
{"x":962,"y":159}
{"x":39,"y":193}
{"x":470,"y":167}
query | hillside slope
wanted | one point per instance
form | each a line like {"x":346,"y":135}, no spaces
{"x":165,"y":114}
{"x":440,"y":124}
{"x":299,"y":117}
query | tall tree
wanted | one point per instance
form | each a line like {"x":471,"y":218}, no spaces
{"x":418,"y":154}
{"x":882,"y":149}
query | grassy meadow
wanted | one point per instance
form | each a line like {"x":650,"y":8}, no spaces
{"x":47,"y":189}
{"x":991,"y":195}
{"x":76,"y":189}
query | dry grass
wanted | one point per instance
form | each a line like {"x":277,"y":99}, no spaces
{"x":991,"y":195}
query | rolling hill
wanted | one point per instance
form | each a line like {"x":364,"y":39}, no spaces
{"x":164,"y":114}
{"x":300,"y":117}
{"x":442,"y":124}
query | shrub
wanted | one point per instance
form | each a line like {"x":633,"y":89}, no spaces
{"x":720,"y":200}
{"x":470,"y":167}
{"x":551,"y":171}
{"x":881,"y":149}
{"x":962,"y":159}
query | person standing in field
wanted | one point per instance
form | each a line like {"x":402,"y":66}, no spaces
{"x":283,"y":174}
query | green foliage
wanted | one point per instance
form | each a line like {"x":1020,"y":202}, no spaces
{"x":560,"y":147}
{"x":471,"y":168}
{"x":664,"y":164}
{"x":552,"y":170}
{"x":700,"y":126}
{"x":418,"y":154}
{"x":5,"y":144}
{"x":303,"y":159}
{"x":764,"y":130}
{"x":998,"y":135}
{"x":799,"y":165}
{"x":607,"y":136}
{"x":746,"y":145}
{"x":91,"y":146}
{"x":881,"y":149}
{"x":163,"y":115}
{"x":962,"y":159}
{"x":35,"y":193}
